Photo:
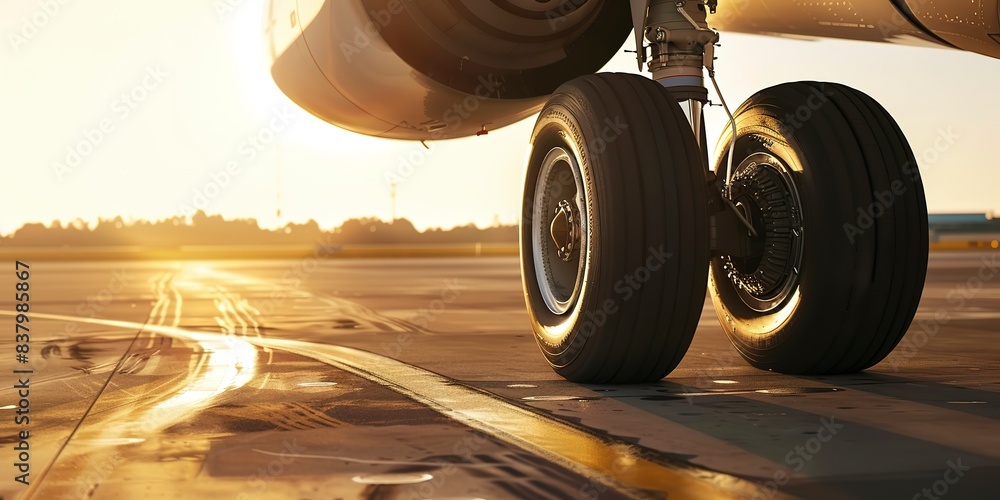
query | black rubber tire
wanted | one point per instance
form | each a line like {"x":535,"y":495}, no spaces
{"x":860,"y":280}
{"x":645,"y":190}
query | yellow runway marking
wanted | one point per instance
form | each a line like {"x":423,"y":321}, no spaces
{"x":617,"y":465}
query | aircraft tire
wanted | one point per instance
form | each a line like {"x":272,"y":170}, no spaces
{"x":833,"y":187}
{"x":614,"y":155}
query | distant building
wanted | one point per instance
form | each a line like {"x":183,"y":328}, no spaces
{"x":964,"y":228}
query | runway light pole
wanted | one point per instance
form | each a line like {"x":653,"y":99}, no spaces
{"x":393,"y":195}
{"x":277,"y":183}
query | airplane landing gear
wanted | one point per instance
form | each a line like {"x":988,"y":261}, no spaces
{"x":618,"y":206}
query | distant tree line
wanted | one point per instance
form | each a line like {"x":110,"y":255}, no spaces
{"x":214,"y":230}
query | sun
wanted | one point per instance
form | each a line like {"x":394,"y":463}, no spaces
{"x":262,"y":96}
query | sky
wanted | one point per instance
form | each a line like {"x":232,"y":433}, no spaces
{"x":175,"y":110}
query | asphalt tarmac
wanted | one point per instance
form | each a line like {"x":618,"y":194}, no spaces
{"x":418,"y":378}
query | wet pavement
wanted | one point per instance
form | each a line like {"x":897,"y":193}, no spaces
{"x":419,"y":379}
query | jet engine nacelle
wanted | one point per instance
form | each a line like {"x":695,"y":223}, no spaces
{"x":435,"y":69}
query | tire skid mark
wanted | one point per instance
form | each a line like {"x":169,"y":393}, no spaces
{"x":219,"y":364}
{"x":116,"y":413}
{"x":340,"y":306}
{"x":238,"y":317}
{"x":298,"y":416}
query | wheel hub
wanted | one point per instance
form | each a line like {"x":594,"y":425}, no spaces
{"x":764,"y":191}
{"x":565,"y":230}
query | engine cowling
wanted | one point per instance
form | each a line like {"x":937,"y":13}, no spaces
{"x":435,"y":69}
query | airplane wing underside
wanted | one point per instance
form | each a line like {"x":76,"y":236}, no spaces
{"x":968,"y":25}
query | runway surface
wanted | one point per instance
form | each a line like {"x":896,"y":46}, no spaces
{"x":419,"y":378}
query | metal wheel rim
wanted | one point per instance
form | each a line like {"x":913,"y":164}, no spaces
{"x":789,"y":284}
{"x":560,"y":282}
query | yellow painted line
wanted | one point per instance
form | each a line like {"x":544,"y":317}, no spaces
{"x":607,"y":463}
{"x":964,"y":245}
{"x":619,"y":465}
